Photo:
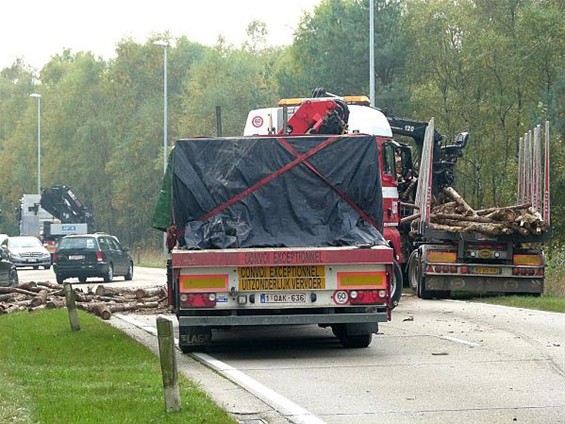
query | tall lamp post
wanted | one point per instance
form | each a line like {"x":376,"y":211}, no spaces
{"x":372,"y":52}
{"x":38,"y":97}
{"x":165,"y":46}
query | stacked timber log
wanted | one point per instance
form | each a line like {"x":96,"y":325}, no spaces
{"x":103,"y":301}
{"x":453,"y":214}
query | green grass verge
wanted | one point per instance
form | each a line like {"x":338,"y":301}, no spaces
{"x":50,"y":374}
{"x":542,"y":303}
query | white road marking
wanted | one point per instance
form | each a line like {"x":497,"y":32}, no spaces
{"x":456,"y":340}
{"x":293,"y":412}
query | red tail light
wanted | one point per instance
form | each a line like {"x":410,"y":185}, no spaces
{"x":54,"y":258}
{"x":99,"y":256}
{"x":198,"y":300}
{"x":365,"y":297}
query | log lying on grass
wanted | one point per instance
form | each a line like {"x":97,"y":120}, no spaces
{"x":103,"y":301}
{"x":456,"y":216}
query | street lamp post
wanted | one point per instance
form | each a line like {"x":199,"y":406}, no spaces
{"x":372,"y":52}
{"x":165,"y":45}
{"x":38,"y":97}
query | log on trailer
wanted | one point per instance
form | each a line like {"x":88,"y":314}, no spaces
{"x":455,"y":215}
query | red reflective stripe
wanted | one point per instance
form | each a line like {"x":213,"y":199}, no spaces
{"x":341,"y":194}
{"x":267,"y":179}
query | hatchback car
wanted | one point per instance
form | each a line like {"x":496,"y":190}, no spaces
{"x":27,"y":251}
{"x":96,"y":255}
{"x":8,"y":271}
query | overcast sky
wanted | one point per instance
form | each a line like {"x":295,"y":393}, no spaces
{"x":36,"y":30}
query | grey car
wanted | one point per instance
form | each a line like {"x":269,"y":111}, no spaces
{"x":8,"y":271}
{"x":27,"y":251}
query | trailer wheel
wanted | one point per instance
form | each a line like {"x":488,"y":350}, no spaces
{"x":417,"y":281}
{"x":414,"y":271}
{"x":422,"y":292}
{"x":357,"y":341}
{"x":396,"y":285}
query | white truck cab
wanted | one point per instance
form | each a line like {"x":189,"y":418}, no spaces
{"x":362,"y":118}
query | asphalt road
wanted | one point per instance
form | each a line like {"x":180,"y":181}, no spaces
{"x":435,"y":362}
{"x":141,"y":277}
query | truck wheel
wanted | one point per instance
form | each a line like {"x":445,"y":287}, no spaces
{"x":396,"y":285}
{"x":47,"y":267}
{"x":417,"y":281}
{"x":422,"y":292}
{"x":82,"y":280}
{"x":414,"y":273}
{"x":357,"y":341}
{"x":109,"y":275}
{"x":60,"y":279}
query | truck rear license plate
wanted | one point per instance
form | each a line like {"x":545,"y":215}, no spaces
{"x":486,"y":270}
{"x":283,"y":297}
{"x":76,"y":257}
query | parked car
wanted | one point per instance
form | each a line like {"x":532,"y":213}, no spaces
{"x":96,"y":255}
{"x":27,"y":251}
{"x":8,"y":271}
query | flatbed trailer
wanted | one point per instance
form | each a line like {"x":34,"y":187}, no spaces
{"x":346,"y":288}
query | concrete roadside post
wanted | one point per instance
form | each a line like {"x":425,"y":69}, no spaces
{"x":168,"y":364}
{"x":71,"y":306}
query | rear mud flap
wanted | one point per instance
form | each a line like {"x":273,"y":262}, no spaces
{"x":194,"y":338}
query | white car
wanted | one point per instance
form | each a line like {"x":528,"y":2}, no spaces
{"x":27,"y":251}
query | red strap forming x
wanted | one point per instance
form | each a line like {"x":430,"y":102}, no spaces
{"x":267,"y":179}
{"x":299,"y":159}
{"x":340,"y":193}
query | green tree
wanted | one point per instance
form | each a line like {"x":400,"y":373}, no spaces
{"x":331,"y":50}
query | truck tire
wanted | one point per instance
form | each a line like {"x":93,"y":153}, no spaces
{"x":60,"y":279}
{"x":415,"y":278}
{"x":355,"y":335}
{"x":357,"y":341}
{"x":396,"y":285}
{"x":413,"y":271}
{"x":422,"y":292}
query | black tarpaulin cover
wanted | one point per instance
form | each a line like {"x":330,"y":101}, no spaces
{"x":256,"y":192}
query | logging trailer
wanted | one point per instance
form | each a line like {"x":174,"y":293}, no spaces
{"x":440,"y":251}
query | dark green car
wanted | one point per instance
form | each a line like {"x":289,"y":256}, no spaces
{"x":97,"y":255}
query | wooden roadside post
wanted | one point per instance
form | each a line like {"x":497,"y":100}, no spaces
{"x":168,"y":364}
{"x":71,"y":307}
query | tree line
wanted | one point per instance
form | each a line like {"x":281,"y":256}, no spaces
{"x":496,"y":69}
